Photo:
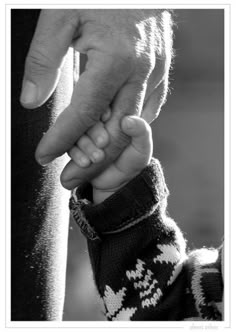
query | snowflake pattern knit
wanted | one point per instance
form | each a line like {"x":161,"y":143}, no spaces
{"x":138,"y":255}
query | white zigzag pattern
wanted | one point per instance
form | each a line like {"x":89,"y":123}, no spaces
{"x":203,"y":256}
{"x":153,"y":300}
{"x":149,"y":290}
{"x":137,"y":274}
{"x":113,"y":302}
{"x":147,"y":284}
{"x":143,"y":283}
{"x":196,"y":286}
{"x":177,"y":269}
{"x":125,"y":314}
{"x":170,"y":254}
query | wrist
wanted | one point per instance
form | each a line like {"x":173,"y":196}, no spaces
{"x":125,"y":208}
{"x":101,"y":194}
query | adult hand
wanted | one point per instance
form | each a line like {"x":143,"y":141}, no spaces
{"x":129,"y":55}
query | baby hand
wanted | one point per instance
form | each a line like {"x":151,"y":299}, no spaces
{"x":89,"y":147}
{"x":130,"y":163}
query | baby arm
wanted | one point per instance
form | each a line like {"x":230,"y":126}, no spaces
{"x":138,"y":256}
{"x":130,"y":163}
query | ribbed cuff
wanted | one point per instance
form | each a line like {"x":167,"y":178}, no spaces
{"x":125,"y":208}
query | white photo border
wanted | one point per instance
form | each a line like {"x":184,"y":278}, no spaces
{"x":229,"y":117}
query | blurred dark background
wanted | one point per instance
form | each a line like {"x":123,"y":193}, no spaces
{"x":189,"y":142}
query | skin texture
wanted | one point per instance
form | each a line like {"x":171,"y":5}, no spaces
{"x":129,"y":56}
{"x":130,"y":163}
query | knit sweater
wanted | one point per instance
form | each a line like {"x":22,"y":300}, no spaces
{"x":141,"y":267}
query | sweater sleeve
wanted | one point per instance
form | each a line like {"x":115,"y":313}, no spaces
{"x":138,"y":255}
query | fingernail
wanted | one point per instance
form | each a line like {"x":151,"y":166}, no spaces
{"x":84,"y":162}
{"x":129,"y":122}
{"x":44,"y":160}
{"x":96,"y":156}
{"x":29,"y":93}
{"x":100,"y":141}
{"x":106,"y":115}
{"x":71,"y":184}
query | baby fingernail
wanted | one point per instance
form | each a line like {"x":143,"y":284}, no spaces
{"x":96,"y":156}
{"x":106,"y":115}
{"x":84,"y":162}
{"x":100,"y":140}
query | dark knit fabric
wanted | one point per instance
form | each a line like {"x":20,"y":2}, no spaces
{"x":138,"y":255}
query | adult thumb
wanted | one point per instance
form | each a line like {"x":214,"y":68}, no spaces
{"x":53,"y":35}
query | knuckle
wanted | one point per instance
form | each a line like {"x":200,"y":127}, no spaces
{"x":87,"y":115}
{"x":125,"y":59}
{"x":119,"y":141}
{"x":120,"y":51}
{"x":69,"y":17}
{"x":37,"y":63}
{"x":146,"y":58}
{"x":153,"y":48}
{"x":148,"y":62}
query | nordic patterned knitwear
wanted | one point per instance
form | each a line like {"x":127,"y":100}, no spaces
{"x":138,"y":254}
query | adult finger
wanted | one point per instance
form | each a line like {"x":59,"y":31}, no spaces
{"x":154,"y":102}
{"x":91,"y":97}
{"x":128,"y":101}
{"x":54,"y":33}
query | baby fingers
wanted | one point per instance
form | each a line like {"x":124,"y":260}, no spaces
{"x":140,"y":133}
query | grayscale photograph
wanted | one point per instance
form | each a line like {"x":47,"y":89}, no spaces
{"x":117,"y":164}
